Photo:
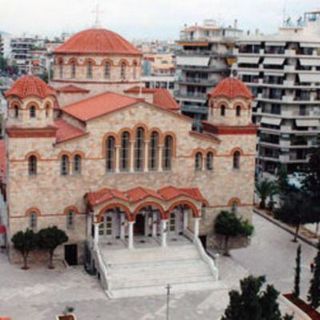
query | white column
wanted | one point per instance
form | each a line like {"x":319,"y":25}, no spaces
{"x":160,"y":152}
{"x":131,"y":164}
{"x":130,"y":240}
{"x":164,"y":232}
{"x":196,"y":227}
{"x":146,"y":156}
{"x":117,"y":160}
{"x":89,"y":223}
{"x":96,"y":235}
{"x":185,"y":213}
{"x":154,"y":224}
{"x":122,"y":226}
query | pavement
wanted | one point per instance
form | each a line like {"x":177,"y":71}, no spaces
{"x":40,"y":294}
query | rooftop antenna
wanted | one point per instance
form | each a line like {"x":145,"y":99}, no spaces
{"x":97,"y":12}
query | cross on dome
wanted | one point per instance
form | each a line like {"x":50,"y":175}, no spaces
{"x":97,"y":11}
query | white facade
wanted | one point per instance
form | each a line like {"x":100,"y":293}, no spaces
{"x":283,"y":72}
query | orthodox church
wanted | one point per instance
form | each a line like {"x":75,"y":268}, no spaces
{"x":121,"y":170}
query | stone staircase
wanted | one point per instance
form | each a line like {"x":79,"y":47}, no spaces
{"x":147,"y":271}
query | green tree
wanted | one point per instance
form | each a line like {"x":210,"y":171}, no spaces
{"x":296,"y":210}
{"x":296,"y":289}
{"x":264,"y":189}
{"x":251,"y":303}
{"x":229,"y":225}
{"x":314,"y":290}
{"x":25,"y":242}
{"x":283,"y":181}
{"x":49,"y":239}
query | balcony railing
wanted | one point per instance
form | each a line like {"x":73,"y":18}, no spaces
{"x":197,"y":80}
{"x":192,"y":95}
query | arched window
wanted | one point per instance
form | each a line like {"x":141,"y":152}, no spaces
{"x":70,"y":219}
{"x":32,"y":165}
{"x":65,"y":165}
{"x":139,"y":150}
{"x":107,"y":70}
{"x":123,"y":71}
{"x":134,"y":71}
{"x":60,"y":69}
{"x":110,"y":154}
{"x":209,"y":161}
{"x":89,"y":69}
{"x":238,"y":111}
{"x":223,"y":110}
{"x":16,"y":112}
{"x":153,"y":151}
{"x":32,"y":112}
{"x":167,"y":153}
{"x":33,"y":221}
{"x":77,"y":164}
{"x":125,"y":151}
{"x":234,"y":207}
{"x":172,"y":222}
{"x":198,"y":161}
{"x":73,"y":69}
{"x":236,"y":160}
{"x":47,"y":110}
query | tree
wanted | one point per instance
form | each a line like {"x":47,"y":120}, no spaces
{"x":229,"y":225}
{"x":314,"y":290}
{"x":296,"y":290}
{"x":25,"y":242}
{"x":251,"y":303}
{"x":296,"y":210}
{"x":265,"y":188}
{"x":49,"y":239}
{"x":283,"y":181}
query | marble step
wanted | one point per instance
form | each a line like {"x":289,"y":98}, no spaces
{"x":161,"y":290}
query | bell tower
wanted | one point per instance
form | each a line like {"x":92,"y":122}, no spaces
{"x":230,"y":104}
{"x":30,"y":103}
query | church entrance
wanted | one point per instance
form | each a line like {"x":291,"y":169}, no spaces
{"x":139,"y":226}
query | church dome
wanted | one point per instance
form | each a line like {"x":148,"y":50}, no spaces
{"x":29,"y":85}
{"x":231,"y":88}
{"x":97,"y":41}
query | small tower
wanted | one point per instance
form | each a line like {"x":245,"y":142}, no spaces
{"x":30,"y":103}
{"x":230,"y":104}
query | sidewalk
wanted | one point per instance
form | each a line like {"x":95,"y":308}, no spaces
{"x":305,"y":234}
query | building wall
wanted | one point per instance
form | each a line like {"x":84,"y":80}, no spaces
{"x":51,"y":193}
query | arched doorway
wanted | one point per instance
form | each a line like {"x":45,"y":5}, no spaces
{"x":111,"y":225}
{"x":139,"y":226}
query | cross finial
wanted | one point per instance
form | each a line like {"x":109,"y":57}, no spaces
{"x":97,"y":13}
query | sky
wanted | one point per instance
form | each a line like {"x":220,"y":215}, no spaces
{"x":144,"y":19}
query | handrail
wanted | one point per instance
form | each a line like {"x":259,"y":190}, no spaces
{"x":102,"y":268}
{"x":204,"y":256}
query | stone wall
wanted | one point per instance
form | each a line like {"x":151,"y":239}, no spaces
{"x":51,"y":193}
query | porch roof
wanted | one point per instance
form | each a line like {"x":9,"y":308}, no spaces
{"x":137,"y":194}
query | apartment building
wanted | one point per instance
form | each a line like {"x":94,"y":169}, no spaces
{"x":204,"y":58}
{"x":283,"y":72}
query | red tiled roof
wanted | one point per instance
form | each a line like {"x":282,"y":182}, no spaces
{"x":99,"y":105}
{"x":29,"y":85}
{"x":231,"y":88}
{"x":3,"y":160}
{"x":66,"y":131}
{"x":99,"y":41}
{"x":72,"y":89}
{"x":140,"y":193}
{"x":161,"y":97}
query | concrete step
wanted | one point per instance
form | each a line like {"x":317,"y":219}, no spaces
{"x":161,"y":290}
{"x":158,"y":281}
{"x":126,"y":256}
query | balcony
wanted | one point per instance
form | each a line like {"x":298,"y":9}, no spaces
{"x":190,"y":95}
{"x":194,"y":109}
{"x":197,"y":81}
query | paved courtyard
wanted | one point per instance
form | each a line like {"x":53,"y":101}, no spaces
{"x":40,"y":294}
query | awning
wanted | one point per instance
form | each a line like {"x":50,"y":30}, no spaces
{"x":193,"y":61}
{"x":2,"y":229}
{"x":248,"y":60}
{"x":310,"y":44}
{"x":309,"y":77}
{"x":272,"y":121}
{"x":275,"y":61}
{"x":275,"y":44}
{"x":310,"y":62}
{"x":274,"y":73}
{"x":307,"y":123}
{"x":249,"y":73}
